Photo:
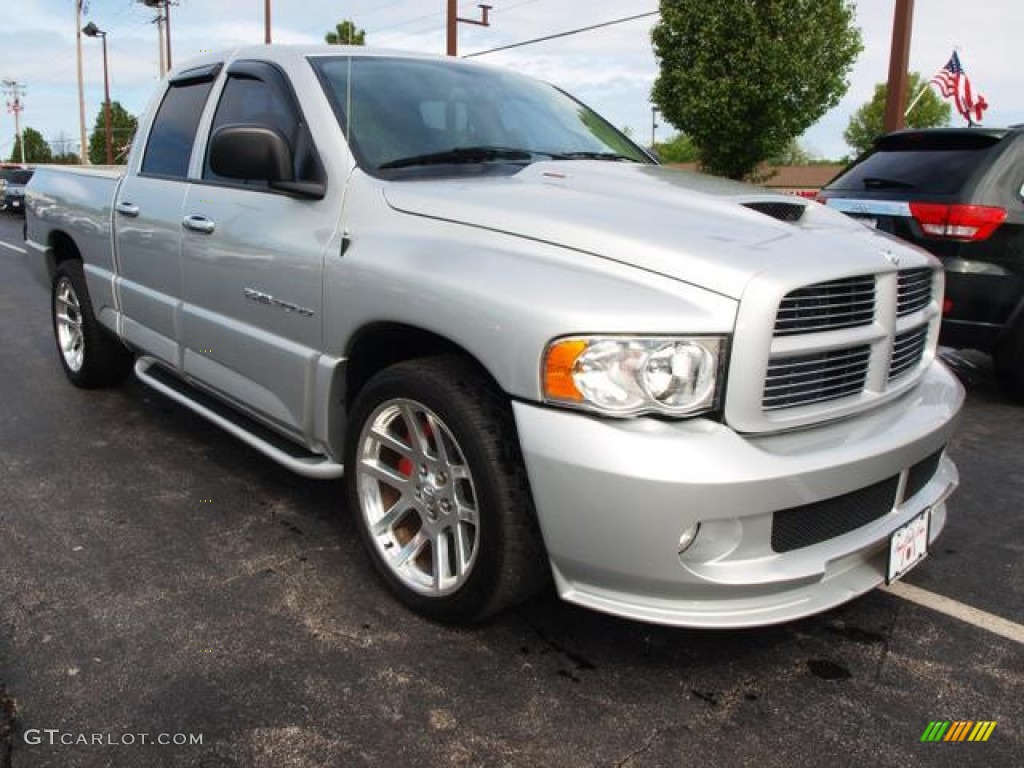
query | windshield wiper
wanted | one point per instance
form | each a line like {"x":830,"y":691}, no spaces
{"x":590,"y":156}
{"x":877,"y":182}
{"x":459,"y":155}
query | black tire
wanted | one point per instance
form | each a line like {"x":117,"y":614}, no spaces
{"x":89,"y":354}
{"x":468,"y":463}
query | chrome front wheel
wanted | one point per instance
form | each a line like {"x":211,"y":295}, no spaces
{"x":417,"y":497}
{"x":438,"y":490}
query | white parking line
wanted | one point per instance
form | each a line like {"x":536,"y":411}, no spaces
{"x":12,"y":247}
{"x":995,"y":624}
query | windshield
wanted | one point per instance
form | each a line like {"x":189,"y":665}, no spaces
{"x":449,"y":115}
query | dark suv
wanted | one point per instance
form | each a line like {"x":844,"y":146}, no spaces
{"x":14,"y":190}
{"x":959,"y":193}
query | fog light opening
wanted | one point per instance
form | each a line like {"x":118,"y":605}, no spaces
{"x":687,"y":537}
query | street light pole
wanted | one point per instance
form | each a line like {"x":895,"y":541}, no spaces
{"x":92,"y":30}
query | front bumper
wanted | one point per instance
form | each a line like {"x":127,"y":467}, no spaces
{"x":614,"y":496}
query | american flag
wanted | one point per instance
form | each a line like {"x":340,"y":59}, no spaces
{"x":953,"y":82}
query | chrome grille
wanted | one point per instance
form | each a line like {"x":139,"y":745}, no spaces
{"x":834,"y":346}
{"x":845,"y":303}
{"x":907,"y":351}
{"x":914,"y":290}
{"x":815,"y":378}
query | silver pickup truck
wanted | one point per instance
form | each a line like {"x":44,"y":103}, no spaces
{"x":535,"y":352}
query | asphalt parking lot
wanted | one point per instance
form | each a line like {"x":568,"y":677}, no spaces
{"x":159,"y":578}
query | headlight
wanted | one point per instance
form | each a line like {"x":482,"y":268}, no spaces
{"x":626,"y":376}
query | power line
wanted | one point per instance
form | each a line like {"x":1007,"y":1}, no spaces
{"x":562,"y":34}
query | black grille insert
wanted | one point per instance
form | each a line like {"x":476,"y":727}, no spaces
{"x":921,"y":473}
{"x":845,"y":303}
{"x":814,"y":523}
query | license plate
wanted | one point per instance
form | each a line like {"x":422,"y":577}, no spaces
{"x":908,"y":546}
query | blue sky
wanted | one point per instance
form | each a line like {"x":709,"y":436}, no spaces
{"x":611,"y":69}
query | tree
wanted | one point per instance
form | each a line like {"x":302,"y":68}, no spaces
{"x":346,"y":33}
{"x":793,"y":154}
{"x":931,"y":111}
{"x":742,"y":78}
{"x":66,"y":158}
{"x":678,"y":149}
{"x":122,"y":131}
{"x":36,"y":148}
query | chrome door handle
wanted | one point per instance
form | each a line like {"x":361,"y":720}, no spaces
{"x":198,"y":224}
{"x":127,"y":209}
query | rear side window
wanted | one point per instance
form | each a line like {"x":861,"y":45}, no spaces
{"x":174,"y":129}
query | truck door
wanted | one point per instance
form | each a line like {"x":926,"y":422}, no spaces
{"x":147,"y":213}
{"x":253,"y":262}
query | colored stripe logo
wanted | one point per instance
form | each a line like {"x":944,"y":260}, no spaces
{"x":958,"y":730}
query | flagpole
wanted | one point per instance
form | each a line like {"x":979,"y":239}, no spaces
{"x":917,"y":98}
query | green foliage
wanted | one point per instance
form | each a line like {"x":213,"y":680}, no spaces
{"x":122,"y":131}
{"x":678,"y":149}
{"x":743,"y":78}
{"x":793,"y":154}
{"x":36,"y":148}
{"x":66,"y":158}
{"x":931,"y":111}
{"x":346,"y":33}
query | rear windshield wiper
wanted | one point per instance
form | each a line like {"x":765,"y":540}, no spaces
{"x":459,"y":155}
{"x":877,"y":182}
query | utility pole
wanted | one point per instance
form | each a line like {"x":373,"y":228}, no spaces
{"x":83,"y":155}
{"x":899,"y":64}
{"x":167,"y":31}
{"x":163,"y":26}
{"x":266,"y":22}
{"x":14,"y":92}
{"x":654,"y":125}
{"x":453,"y":24}
{"x":159,"y":21}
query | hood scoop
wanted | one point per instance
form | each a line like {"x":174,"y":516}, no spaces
{"x":781,"y":210}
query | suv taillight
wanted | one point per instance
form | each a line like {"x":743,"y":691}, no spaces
{"x":969,"y":223}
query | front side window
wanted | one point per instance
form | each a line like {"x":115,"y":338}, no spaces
{"x":174,"y":128}
{"x":402,"y":113}
{"x":256,"y":94}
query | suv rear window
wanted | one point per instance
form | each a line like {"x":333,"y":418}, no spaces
{"x":937,"y":164}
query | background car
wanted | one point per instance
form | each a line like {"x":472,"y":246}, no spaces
{"x":959,"y":193}
{"x":14,"y":188}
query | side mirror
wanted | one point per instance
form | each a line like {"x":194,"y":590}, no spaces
{"x":252,"y":152}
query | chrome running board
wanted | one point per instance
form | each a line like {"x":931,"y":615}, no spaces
{"x":249,"y":431}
